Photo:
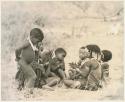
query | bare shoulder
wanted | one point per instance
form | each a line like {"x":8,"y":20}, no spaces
{"x":93,"y":63}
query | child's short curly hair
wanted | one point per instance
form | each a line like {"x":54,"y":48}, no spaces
{"x":37,"y":33}
{"x":60,"y":50}
{"x":106,"y":55}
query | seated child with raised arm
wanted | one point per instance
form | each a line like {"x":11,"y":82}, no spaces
{"x":76,"y":80}
{"x":82,"y":57}
{"x":89,"y":70}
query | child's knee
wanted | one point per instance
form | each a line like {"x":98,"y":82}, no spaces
{"x":66,"y":81}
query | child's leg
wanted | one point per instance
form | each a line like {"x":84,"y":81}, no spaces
{"x":28,"y":73}
{"x":68,"y":83}
{"x":21,"y":80}
{"x":52,"y":81}
{"x":37,"y":82}
{"x":72,"y":84}
{"x":52,"y":74}
{"x":61,"y":74}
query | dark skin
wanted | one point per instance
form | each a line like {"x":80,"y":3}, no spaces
{"x":60,"y":71}
{"x":25,"y":45}
{"x":26,"y":59}
{"x":61,"y":66}
{"x":84,"y":71}
{"x":86,"y":68}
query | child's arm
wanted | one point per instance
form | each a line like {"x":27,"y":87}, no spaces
{"x":62,"y":66}
{"x":79,"y":62}
{"x":19,"y":50}
{"x":54,"y":64}
{"x":61,"y":74}
{"x":48,"y":71}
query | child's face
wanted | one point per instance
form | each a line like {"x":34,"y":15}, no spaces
{"x":61,"y":56}
{"x":34,"y":40}
{"x":83,"y":53}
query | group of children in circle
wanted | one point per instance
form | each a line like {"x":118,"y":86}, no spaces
{"x":39,"y":68}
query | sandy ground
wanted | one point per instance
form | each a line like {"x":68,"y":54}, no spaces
{"x":63,"y":28}
{"x":113,"y":91}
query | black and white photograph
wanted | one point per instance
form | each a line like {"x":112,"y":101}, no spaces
{"x":62,"y":50}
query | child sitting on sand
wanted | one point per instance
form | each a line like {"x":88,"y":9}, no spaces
{"x":82,"y":57}
{"x":56,"y":70}
{"x":44,"y":56}
{"x":106,"y":57}
{"x":57,"y":65}
{"x":88,"y":69}
{"x":26,"y":58}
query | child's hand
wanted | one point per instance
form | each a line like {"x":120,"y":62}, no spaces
{"x":73,"y":65}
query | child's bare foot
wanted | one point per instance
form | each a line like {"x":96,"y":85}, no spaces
{"x":28,"y":93}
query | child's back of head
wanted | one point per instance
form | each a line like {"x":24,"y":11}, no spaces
{"x":36,"y":34}
{"x":106,"y":55}
{"x":95,"y":51}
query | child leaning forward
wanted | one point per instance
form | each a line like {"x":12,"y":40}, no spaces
{"x":25,"y":55}
{"x":56,"y":70}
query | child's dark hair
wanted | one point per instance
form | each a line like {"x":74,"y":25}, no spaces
{"x":106,"y":55}
{"x":94,"y":48}
{"x":37,"y":33}
{"x":83,"y":47}
{"x":60,"y":50}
